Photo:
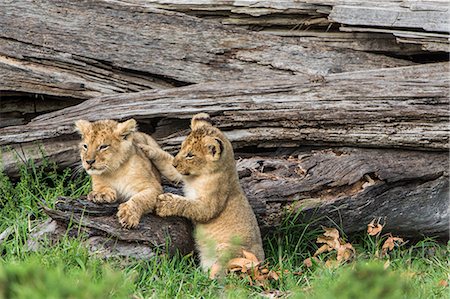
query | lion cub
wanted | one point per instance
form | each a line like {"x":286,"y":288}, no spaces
{"x":118,"y":167}
{"x":214,"y":200}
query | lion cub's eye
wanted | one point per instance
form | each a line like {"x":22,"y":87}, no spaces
{"x":189,"y":155}
{"x":103,"y":147}
{"x":85,"y":146}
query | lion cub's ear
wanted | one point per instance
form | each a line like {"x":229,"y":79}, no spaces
{"x":200,"y":120}
{"x":82,"y":126}
{"x":214,"y":146}
{"x":126,"y":128}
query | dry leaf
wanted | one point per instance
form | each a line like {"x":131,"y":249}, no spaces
{"x":386,"y":264}
{"x":331,"y":242}
{"x":345,"y":252}
{"x":322,"y":249}
{"x":308,"y":262}
{"x":331,"y":232}
{"x":250,"y":256}
{"x":373,"y":228}
{"x":390,"y":243}
{"x":273,"y":275}
{"x":265,"y":271}
{"x":443,"y":283}
{"x":241,"y":262}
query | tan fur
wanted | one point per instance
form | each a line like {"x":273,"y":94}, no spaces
{"x":213,"y":199}
{"x":121,"y":170}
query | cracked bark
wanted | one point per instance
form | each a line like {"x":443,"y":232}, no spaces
{"x":407,"y":190}
{"x":85,"y":49}
{"x":403,"y":107}
{"x":400,"y":27}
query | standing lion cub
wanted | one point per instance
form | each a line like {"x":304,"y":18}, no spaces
{"x":224,"y":221}
{"x":118,"y":167}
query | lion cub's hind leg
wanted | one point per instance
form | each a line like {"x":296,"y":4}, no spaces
{"x":131,"y":211}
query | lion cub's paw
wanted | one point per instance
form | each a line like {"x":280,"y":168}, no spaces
{"x":128,"y":216}
{"x":166,"y":205}
{"x":148,"y":150}
{"x":105,"y":196}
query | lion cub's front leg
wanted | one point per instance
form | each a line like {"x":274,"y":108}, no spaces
{"x":131,"y":211}
{"x":102,"y":194}
{"x":169,"y":205}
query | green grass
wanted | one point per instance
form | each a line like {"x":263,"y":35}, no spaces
{"x":67,"y":270}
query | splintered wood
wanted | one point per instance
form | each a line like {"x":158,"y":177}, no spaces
{"x":400,"y":27}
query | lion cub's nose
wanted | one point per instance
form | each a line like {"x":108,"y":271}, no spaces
{"x":90,"y":162}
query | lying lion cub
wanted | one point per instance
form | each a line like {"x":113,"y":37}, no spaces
{"x":119,"y":169}
{"x":214,"y":200}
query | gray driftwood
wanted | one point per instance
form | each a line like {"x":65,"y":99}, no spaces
{"x":83,"y":49}
{"x":425,"y":24}
{"x":349,"y":187}
{"x":388,"y":108}
{"x":407,"y":190}
{"x":99,"y":227}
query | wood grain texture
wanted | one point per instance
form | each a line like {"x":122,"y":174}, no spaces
{"x":407,"y":190}
{"x":288,"y":17}
{"x":81,"y":218}
{"x":84,"y":49}
{"x":350,"y":187}
{"x":389,"y":108}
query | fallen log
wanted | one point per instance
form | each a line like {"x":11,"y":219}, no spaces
{"x":98,"y":227}
{"x":84,"y":49}
{"x":346,"y":187}
{"x":424,"y":24}
{"x":388,"y":108}
{"x":349,"y":187}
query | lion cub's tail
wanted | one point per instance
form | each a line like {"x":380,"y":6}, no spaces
{"x":200,"y":120}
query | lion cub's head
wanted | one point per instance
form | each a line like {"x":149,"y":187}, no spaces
{"x":205,"y":150}
{"x":105,"y":144}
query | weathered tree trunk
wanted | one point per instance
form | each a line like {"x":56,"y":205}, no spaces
{"x":407,"y":190}
{"x":99,"y":227}
{"x":349,"y":187}
{"x":405,"y":27}
{"x":110,"y":47}
{"x":389,"y":108}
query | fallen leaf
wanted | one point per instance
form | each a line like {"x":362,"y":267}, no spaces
{"x":390,"y":243}
{"x":244,"y":269}
{"x":373,"y":228}
{"x":308,"y":263}
{"x":250,"y":256}
{"x":265,"y":271}
{"x":331,"y":232}
{"x":333,"y":243}
{"x":241,"y":262}
{"x":386,"y":264}
{"x":443,"y":283}
{"x":345,"y":252}
{"x":273,"y":275}
{"x":322,"y":249}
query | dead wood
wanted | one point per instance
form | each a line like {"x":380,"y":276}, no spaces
{"x":388,"y":108}
{"x":415,"y":25}
{"x":84,"y":49}
{"x":406,"y":190}
{"x":99,"y":227}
